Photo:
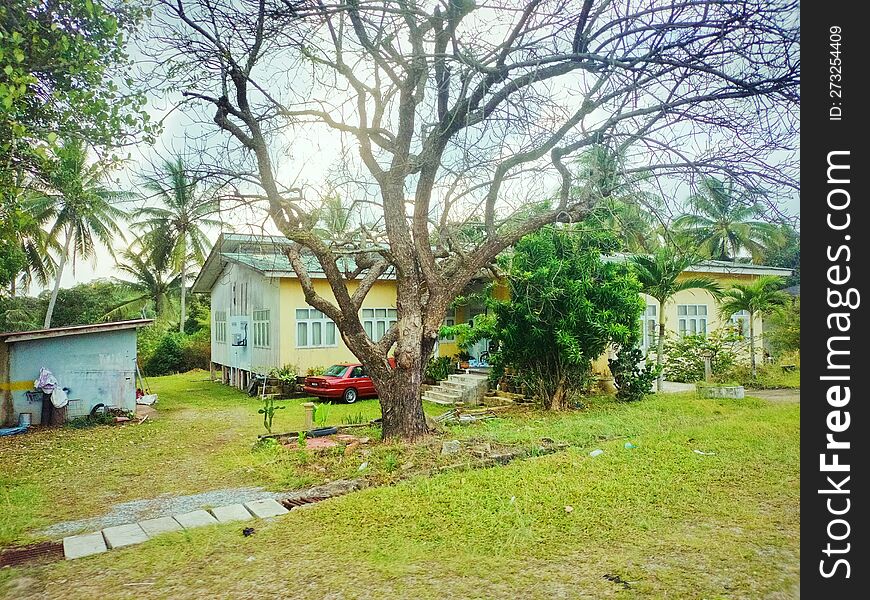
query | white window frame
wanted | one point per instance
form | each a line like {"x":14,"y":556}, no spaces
{"x":449,"y":321}
{"x":649,"y":321}
{"x":220,"y":326}
{"x":692,"y":319}
{"x":262,"y":328}
{"x":312,"y":320}
{"x":740,"y":319}
{"x":377,"y":321}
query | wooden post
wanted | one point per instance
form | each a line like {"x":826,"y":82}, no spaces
{"x":708,"y":369}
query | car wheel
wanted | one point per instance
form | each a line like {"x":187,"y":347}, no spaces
{"x":350,"y":395}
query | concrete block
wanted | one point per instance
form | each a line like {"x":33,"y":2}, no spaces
{"x":124,"y":535}
{"x":196,"y":518}
{"x":233,"y":512}
{"x":265,"y":508}
{"x":76,"y":546}
{"x":159,"y":525}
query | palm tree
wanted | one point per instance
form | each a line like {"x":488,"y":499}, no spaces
{"x":83,"y":209}
{"x":659,"y":275}
{"x":25,"y":214}
{"x":721,"y":221}
{"x":621,"y":207}
{"x":757,"y":297}
{"x":151,"y":284}
{"x":174,"y":232}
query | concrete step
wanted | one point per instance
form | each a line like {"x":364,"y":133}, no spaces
{"x":461,"y":386}
{"x":441,"y":402}
{"x":467,"y":377}
{"x":444,"y":395}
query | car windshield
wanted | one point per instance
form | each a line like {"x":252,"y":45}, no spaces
{"x":335,"y":370}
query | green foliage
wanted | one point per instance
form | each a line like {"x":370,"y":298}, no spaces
{"x":438,"y":368}
{"x":268,"y":412}
{"x":566,"y":305}
{"x":782,"y":328}
{"x":90,"y":302}
{"x":633,"y":378}
{"x":722,"y":224}
{"x":685,"y":355}
{"x":354,"y":419}
{"x":287,"y":373}
{"x":64,"y":74}
{"x":321,"y":414}
{"x":162,"y":350}
{"x":168,"y":356}
{"x":785,"y":251}
{"x":301,"y":437}
{"x":315,"y":370}
{"x":391,"y":462}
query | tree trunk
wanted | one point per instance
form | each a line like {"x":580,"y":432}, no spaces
{"x":660,"y":345}
{"x":401,"y":406}
{"x":752,"y":344}
{"x":61,"y":263}
{"x":183,"y":296}
{"x":559,"y":401}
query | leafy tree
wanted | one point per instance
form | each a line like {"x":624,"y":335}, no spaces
{"x":57,"y":62}
{"x":660,"y":275}
{"x":83,"y":209}
{"x":86,"y":303}
{"x":757,"y":298}
{"x":782,"y":329}
{"x":174,"y":232}
{"x":722,"y":222}
{"x":151,"y":286}
{"x":566,"y":306}
{"x":785,"y":251}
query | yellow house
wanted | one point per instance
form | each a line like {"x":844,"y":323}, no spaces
{"x":260,"y":319}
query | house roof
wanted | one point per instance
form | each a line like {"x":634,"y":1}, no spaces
{"x":263,"y":253}
{"x":719,"y":266}
{"x":37,"y":334}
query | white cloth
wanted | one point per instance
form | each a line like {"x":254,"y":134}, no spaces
{"x":46,"y":382}
{"x":58,"y":397}
{"x":147,"y":399}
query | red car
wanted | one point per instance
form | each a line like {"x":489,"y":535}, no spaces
{"x":347,"y":381}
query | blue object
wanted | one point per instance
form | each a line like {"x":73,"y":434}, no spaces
{"x":629,"y":445}
{"x":12,"y":430}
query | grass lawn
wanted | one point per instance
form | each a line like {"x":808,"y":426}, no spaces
{"x":669,"y":521}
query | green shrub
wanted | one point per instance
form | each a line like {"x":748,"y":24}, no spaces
{"x":168,"y":356}
{"x":633,"y":379}
{"x":684,"y":357}
{"x":196,"y":350}
{"x":438,"y":368}
{"x":316,"y":370}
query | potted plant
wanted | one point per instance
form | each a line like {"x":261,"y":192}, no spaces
{"x":463,"y":357}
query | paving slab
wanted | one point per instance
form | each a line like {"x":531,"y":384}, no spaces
{"x":265,"y":508}
{"x":233,"y":512}
{"x":124,"y":535}
{"x":159,"y":525}
{"x":76,"y":546}
{"x":196,"y":518}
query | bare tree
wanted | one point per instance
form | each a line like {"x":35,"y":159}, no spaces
{"x":462,"y":110}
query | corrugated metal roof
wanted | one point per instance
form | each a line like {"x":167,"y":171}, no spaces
{"x":21,"y":336}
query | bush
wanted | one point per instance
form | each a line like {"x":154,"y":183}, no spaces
{"x":633,"y":381}
{"x":684,"y":357}
{"x":168,"y":356}
{"x":174,"y":352}
{"x":439,"y":368}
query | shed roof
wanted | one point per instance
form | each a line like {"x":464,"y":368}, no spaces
{"x":37,"y":334}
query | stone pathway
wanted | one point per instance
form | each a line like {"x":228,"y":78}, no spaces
{"x":161,"y":506}
{"x":118,"y":536}
{"x":776,"y":395}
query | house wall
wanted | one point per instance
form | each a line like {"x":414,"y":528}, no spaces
{"x":382,"y":295}
{"x":96,"y":367}
{"x":238,"y":292}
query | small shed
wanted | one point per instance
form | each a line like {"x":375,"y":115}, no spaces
{"x":95,"y":363}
